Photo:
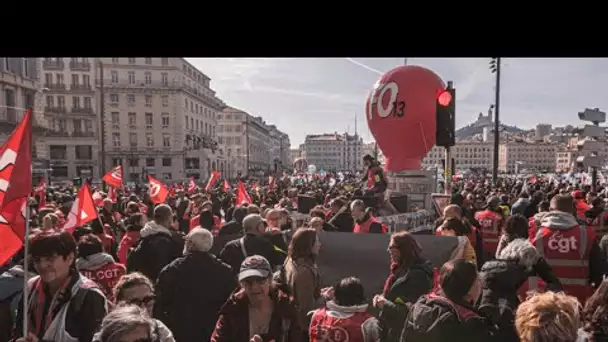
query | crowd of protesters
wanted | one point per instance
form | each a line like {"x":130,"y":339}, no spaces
{"x":529,"y":265}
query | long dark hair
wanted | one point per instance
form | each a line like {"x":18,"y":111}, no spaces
{"x":300,"y":246}
{"x":410,"y":252}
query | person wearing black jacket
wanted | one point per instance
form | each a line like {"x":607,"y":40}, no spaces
{"x":158,"y":245}
{"x":187,"y":301}
{"x":253,"y":243}
{"x":235,"y":226}
{"x":449,"y":313}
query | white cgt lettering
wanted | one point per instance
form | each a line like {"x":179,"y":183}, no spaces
{"x":376,"y":99}
{"x":558,"y":242}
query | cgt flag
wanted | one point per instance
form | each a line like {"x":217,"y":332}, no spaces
{"x":83,"y":210}
{"x":212,"y":180}
{"x":158,"y":191}
{"x":15,"y":187}
{"x":114,"y":177}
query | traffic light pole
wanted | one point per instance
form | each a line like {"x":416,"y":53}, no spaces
{"x":447,"y":174}
{"x":496,"y":125}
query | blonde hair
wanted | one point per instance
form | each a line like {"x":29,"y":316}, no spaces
{"x":548,"y":317}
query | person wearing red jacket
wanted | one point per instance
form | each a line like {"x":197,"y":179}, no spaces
{"x":98,"y":266}
{"x":134,"y":224}
{"x":491,"y":223}
{"x":346,"y":313}
{"x":570,"y":248}
{"x":580,"y":204}
{"x":364,"y":222}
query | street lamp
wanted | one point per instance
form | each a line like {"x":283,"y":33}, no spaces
{"x":495,"y":68}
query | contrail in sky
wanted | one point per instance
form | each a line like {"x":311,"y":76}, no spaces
{"x":364,"y":66}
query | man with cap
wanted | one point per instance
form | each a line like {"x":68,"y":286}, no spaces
{"x":258,"y":311}
{"x":253,"y":243}
{"x":490,"y":221}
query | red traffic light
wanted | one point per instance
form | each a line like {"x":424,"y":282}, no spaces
{"x":444,"y":98}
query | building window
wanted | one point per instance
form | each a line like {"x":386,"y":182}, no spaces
{"x":115,"y":118}
{"x":131,"y":77}
{"x":114,"y":75}
{"x":61,"y":101}
{"x":59,"y":78}
{"x":149,"y":119}
{"x":50,"y":101}
{"x":48,"y":79}
{"x":164,"y":78}
{"x":87,"y":103}
{"x":25,"y":68}
{"x":131,"y":99}
{"x":58,"y":152}
{"x":116,"y":161}
{"x":84,"y":152}
{"x":114,"y":98}
{"x":134,"y":162}
{"x":150,"y":162}
{"x":167,"y":175}
{"x":86,"y":81}
{"x":132,"y":118}
{"x":75,"y":80}
{"x":166,"y":161}
{"x":148,"y":76}
{"x":116,"y":139}
{"x":148,"y":100}
{"x":133,"y":139}
{"x":166,"y":140}
{"x":149,"y":139}
{"x":115,"y":60}
{"x":165,"y":100}
{"x":165,"y":120}
{"x":148,"y":60}
{"x":187,"y":126}
{"x":164,"y":61}
{"x":75,"y":102}
{"x":132,"y":60}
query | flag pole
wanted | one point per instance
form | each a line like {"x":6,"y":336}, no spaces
{"x":26,"y":253}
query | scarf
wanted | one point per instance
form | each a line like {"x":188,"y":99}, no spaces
{"x":60,"y":297}
{"x":391,"y":278}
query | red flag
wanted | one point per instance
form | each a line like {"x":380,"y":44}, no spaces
{"x":112,"y":194}
{"x":242,"y":195}
{"x":114,"y":177}
{"x":83,"y":210}
{"x":212,"y":180}
{"x":158,"y":191}
{"x":191,"y":186}
{"x":15,"y":187}
{"x":226,"y":185}
{"x":40,"y":191}
{"x":97,"y":198}
{"x":142,"y":208}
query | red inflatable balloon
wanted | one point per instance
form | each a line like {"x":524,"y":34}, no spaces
{"x":401,"y":115}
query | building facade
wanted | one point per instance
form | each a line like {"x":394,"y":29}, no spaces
{"x":252,"y":146}
{"x":468,"y":155}
{"x":159,"y":117}
{"x":70,"y":109}
{"x":334,"y":151}
{"x":526,"y":155}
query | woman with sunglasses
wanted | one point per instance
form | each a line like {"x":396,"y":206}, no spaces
{"x":128,"y":323}
{"x":259,"y":311}
{"x":136,"y":289}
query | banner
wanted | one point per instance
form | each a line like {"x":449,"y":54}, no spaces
{"x":362,"y":255}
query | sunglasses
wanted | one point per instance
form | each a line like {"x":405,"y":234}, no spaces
{"x":254,"y":280}
{"x":142,"y":301}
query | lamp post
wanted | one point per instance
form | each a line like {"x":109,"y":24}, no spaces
{"x":495,"y":68}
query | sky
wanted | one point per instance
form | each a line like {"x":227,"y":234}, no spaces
{"x":321,"y":95}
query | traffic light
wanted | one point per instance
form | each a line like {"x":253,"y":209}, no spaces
{"x":446,"y":117}
{"x":493,"y":65}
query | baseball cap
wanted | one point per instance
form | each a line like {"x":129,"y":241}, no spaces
{"x":493,"y":202}
{"x":578,"y":194}
{"x":255,"y":266}
{"x":251,"y":221}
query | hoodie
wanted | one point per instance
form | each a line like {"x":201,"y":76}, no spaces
{"x":102,"y":269}
{"x":152,"y":228}
{"x":339,"y":317}
{"x":558,"y":220}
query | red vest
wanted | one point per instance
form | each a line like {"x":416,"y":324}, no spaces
{"x":581,"y":207}
{"x":370,"y":179}
{"x":106,"y":277}
{"x":324,"y":327}
{"x":490,"y":223}
{"x":196,"y":221}
{"x":363,"y":228}
{"x":567,"y":252}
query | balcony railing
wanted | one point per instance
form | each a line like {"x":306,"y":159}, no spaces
{"x":58,"y":156}
{"x":53,"y":64}
{"x":54,"y":109}
{"x":62,"y":133}
{"x":80,"y":66}
{"x":81,"y":88}
{"x":80,"y":134}
{"x":55,"y":86}
{"x":82,"y":110}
